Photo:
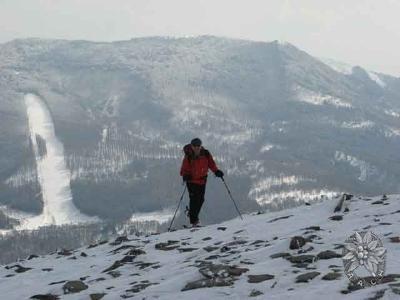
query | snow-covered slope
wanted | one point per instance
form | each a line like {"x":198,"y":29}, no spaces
{"x":232,"y":256}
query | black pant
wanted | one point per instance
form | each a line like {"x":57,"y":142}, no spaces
{"x":196,"y":195}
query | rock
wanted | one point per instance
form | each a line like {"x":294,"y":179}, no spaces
{"x":221,"y":228}
{"x":139,"y":287}
{"x":306,"y":277}
{"x":74,"y":286}
{"x":187,"y":249}
{"x":223,"y":271}
{"x":97,"y":296}
{"x":328,"y":254}
{"x":64,"y":252}
{"x":57,"y":282}
{"x":83,"y":254}
{"x":119,"y":240}
{"x":169,"y":245}
{"x":259,"y":278}
{"x":336,"y":218}
{"x":204,"y":283}
{"x":255,"y":293}
{"x":210,"y":248}
{"x":47,"y":269}
{"x":45,"y":297}
{"x":32,"y":256}
{"x":331,"y":276}
{"x":297,"y":242}
{"x":316,"y":228}
{"x":280,"y":218}
{"x":309,"y":249}
{"x":114,"y":266}
{"x":280,"y":254}
{"x":20,"y":269}
{"x":123,"y":247}
{"x":306,"y":258}
{"x":377,"y":202}
{"x":207,"y":238}
{"x":135,"y":252}
{"x":395,"y":239}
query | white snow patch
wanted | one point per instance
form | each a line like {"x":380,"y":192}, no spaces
{"x":366,"y":169}
{"x":315,"y":98}
{"x":162,"y":216}
{"x":392,"y":113}
{"x":375,"y":77}
{"x":358,"y":125}
{"x":53,"y":175}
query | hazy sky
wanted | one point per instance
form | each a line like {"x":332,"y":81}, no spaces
{"x":362,"y":32}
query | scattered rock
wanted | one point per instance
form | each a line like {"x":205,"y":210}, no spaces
{"x":83,"y":254}
{"x":205,"y":283}
{"x":74,"y":286}
{"x":47,"y":269}
{"x":207,"y":238}
{"x":331,"y":276}
{"x":336,"y":218}
{"x":306,"y":258}
{"x":259,"y":278}
{"x":119,"y":240}
{"x":377,"y":202}
{"x":114,"y":266}
{"x":297,"y":242}
{"x":255,"y":293}
{"x":97,"y":296}
{"x":187,"y":249}
{"x":309,"y":249}
{"x":20,"y":269}
{"x":328,"y":254}
{"x":32,"y":256}
{"x":135,"y":252}
{"x":210,"y":248}
{"x":395,"y":239}
{"x":306,"y":277}
{"x":316,"y":228}
{"x":223,"y":271}
{"x":169,"y":245}
{"x":64,"y":252}
{"x":45,"y":297}
{"x":221,"y":228}
{"x":279,"y":218}
{"x":57,"y":282}
{"x":280,"y":254}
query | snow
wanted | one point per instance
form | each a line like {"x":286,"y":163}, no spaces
{"x":160,"y":216}
{"x":340,"y":67}
{"x":54,"y":177}
{"x":375,"y":77}
{"x":174,"y":269}
{"x":366,"y":169}
{"x":315,"y":98}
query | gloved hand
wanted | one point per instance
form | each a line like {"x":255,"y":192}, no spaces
{"x":219,"y":173}
{"x":186,"y":177}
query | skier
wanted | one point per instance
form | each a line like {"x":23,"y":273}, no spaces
{"x":194,"y":172}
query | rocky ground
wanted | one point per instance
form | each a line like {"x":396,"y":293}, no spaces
{"x":292,"y":254}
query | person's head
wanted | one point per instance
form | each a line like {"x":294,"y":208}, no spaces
{"x":196,"y":145}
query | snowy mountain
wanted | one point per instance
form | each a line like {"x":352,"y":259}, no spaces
{"x":293,"y":254}
{"x":285,"y":127}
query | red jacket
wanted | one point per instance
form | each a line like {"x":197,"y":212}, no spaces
{"x":197,"y":167}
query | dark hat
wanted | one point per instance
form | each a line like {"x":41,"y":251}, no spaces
{"x":196,"y":142}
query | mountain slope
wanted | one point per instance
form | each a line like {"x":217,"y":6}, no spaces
{"x":285,"y":127}
{"x":161,"y":266}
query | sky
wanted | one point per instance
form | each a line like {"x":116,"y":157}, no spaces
{"x":358,"y":32}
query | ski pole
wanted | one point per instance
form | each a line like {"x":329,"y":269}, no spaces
{"x":180,"y":200}
{"x":230,"y":194}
